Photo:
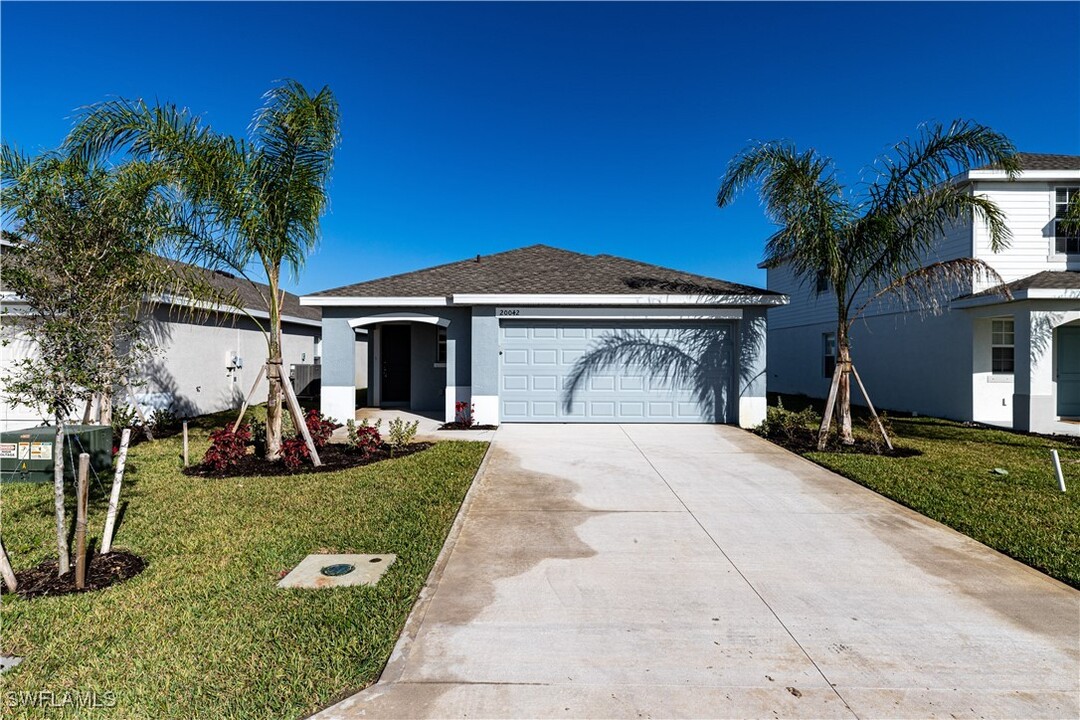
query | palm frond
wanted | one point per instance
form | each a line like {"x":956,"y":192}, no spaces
{"x":930,"y":289}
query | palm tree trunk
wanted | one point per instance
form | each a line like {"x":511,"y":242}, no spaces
{"x":273,"y":400}
{"x":58,"y":496}
{"x":843,"y":397}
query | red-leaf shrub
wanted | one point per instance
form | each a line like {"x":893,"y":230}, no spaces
{"x":294,"y":452}
{"x":465,"y":413}
{"x":227,"y":448}
{"x":320,"y":427}
{"x":368,"y":440}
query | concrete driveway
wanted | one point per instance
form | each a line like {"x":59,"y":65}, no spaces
{"x":698,"y":571}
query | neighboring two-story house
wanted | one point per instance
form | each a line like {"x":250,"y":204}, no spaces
{"x":1013,"y":363}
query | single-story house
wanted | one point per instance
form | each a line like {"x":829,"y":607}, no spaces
{"x":204,"y":364}
{"x":540,"y":334}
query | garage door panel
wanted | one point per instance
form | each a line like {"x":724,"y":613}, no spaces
{"x":540,"y":361}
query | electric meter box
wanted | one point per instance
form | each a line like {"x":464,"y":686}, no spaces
{"x":27,"y":455}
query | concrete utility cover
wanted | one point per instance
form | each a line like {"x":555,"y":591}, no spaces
{"x":7,"y":662}
{"x":309,"y":573}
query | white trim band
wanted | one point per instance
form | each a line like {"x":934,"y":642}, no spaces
{"x":398,"y":317}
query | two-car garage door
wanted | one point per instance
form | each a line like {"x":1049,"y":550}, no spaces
{"x":608,"y":371}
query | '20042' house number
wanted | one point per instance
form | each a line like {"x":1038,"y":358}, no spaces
{"x":508,"y":312}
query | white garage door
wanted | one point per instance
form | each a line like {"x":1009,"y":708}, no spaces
{"x":667,"y":372}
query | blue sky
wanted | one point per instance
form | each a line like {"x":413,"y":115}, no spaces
{"x":475,"y":128}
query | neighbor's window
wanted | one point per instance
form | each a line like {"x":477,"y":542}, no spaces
{"x":821,"y":283}
{"x":440,"y":345}
{"x":1002,"y":346}
{"x":828,"y":353}
{"x":1065,"y":241}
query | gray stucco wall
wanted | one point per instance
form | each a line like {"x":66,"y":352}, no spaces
{"x":428,"y":383}
{"x":485,"y":355}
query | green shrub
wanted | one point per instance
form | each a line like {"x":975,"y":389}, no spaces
{"x":401,"y":433}
{"x":786,"y":426}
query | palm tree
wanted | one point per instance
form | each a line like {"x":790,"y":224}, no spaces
{"x":871,"y":244}
{"x":256,"y":202}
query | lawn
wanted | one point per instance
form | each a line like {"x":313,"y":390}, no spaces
{"x":1022,"y":514}
{"x":203,"y":632}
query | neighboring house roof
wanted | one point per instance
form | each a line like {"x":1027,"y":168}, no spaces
{"x":1046,"y":280}
{"x":248,"y":294}
{"x":1041,"y":161}
{"x":1046,"y":285}
{"x":542,"y":270}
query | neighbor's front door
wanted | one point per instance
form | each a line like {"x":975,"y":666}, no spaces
{"x":396,"y":363}
{"x":1068,"y":359}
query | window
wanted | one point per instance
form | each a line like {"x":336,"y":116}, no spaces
{"x":1002,"y":346}
{"x":828,"y":353}
{"x":440,"y":346}
{"x":821,"y":283}
{"x":1066,"y":242}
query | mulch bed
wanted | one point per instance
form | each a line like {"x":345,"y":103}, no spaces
{"x":103,"y":571}
{"x":335,"y":456}
{"x":804,"y":442}
{"x":460,"y":426}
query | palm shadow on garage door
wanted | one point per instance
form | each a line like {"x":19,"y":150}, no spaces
{"x":689,"y":367}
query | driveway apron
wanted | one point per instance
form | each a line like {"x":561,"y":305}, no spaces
{"x":698,"y":571}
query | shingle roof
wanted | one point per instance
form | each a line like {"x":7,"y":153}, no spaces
{"x":250,"y":295}
{"x":540,"y":269}
{"x":1046,"y":280}
{"x":1042,"y":161}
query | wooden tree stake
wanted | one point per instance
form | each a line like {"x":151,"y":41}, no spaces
{"x":6,"y":571}
{"x":866,"y":396}
{"x":251,"y":393}
{"x":826,"y":418}
{"x":83,"y":497}
{"x":86,"y":412}
{"x":185,"y":445}
{"x":114,"y":496}
{"x":138,"y":411}
{"x":298,"y":419}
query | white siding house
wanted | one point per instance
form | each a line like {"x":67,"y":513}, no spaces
{"x":202,"y":365}
{"x":1013,"y":363}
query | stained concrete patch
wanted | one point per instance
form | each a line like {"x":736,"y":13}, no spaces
{"x":367,"y":569}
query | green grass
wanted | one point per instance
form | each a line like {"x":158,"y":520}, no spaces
{"x":1023,"y":514}
{"x":203,"y":632}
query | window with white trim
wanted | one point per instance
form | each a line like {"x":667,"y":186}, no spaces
{"x":1002,"y":346}
{"x":828,"y":354}
{"x":1066,"y":242}
{"x":440,"y":346}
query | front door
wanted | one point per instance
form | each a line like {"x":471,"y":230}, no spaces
{"x":396,"y":344}
{"x":1068,"y":360}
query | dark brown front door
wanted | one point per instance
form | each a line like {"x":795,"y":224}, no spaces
{"x":396,"y":363}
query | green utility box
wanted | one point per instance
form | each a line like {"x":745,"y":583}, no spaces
{"x":27,"y":455}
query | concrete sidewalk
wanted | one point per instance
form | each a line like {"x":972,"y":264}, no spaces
{"x":698,"y":571}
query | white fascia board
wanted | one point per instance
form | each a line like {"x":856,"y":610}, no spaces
{"x":1033,"y":175}
{"x":398,"y":317}
{"x":325,"y":301}
{"x":712,"y":300}
{"x":618,"y":313}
